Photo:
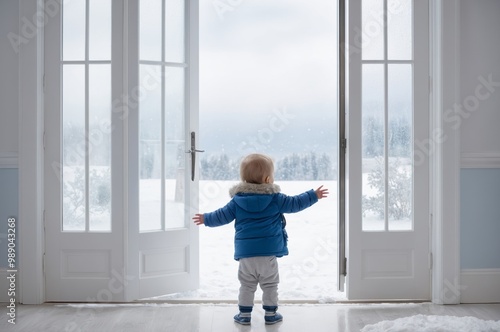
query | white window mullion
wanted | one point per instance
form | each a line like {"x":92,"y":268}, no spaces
{"x":87,"y":124}
{"x":386,"y":123}
{"x":163,"y":117}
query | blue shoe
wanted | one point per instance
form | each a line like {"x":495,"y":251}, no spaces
{"x":273,"y":319}
{"x":242,"y":320}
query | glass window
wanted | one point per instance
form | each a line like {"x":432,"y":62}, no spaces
{"x":161,"y":115}
{"x":373,"y":142}
{"x":372,"y":35}
{"x":86,"y":114}
{"x":399,"y":29}
{"x":74,"y":26}
{"x":74,"y":148}
{"x":99,"y":29}
{"x":387,"y":115}
{"x":150,"y":29}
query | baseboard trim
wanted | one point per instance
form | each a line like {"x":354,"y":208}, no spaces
{"x":480,"y":160}
{"x":480,"y":286}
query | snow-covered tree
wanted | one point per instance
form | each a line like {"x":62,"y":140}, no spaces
{"x":399,"y":191}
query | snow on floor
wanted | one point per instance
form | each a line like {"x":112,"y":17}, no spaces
{"x":308,"y":272}
{"x":424,"y":323}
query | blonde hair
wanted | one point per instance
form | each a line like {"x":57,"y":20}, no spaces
{"x":255,"y":168}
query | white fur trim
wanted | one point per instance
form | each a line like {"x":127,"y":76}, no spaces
{"x":253,"y":188}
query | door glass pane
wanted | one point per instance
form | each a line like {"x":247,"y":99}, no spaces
{"x":150,"y":29}
{"x":400,"y":151}
{"x":373,"y":163}
{"x":174,"y":31}
{"x":99,"y":142}
{"x":399,"y":29}
{"x":74,"y":30}
{"x":73,"y":127}
{"x":100,"y":29}
{"x":175,"y":155}
{"x":372,"y":35}
{"x":150,"y":156}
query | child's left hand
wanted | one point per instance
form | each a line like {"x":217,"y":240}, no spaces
{"x":199,"y":219}
{"x":321,"y":193}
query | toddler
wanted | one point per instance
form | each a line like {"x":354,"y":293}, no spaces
{"x":258,"y":206}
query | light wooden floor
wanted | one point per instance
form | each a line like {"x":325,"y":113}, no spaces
{"x":218,"y":317}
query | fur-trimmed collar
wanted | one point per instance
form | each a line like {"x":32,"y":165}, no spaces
{"x":253,"y":188}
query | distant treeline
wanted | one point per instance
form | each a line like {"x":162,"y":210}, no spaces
{"x":306,"y":166}
{"x":399,"y":137}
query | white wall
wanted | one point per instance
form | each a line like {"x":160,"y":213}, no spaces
{"x":480,"y":57}
{"x":9,"y":83}
{"x":9,"y":104}
{"x":478,"y":122}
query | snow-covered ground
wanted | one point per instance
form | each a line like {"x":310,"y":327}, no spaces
{"x":308,"y":272}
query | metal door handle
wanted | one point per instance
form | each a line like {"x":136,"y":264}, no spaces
{"x":193,"y":151}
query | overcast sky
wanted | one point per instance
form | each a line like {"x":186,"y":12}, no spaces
{"x":262,"y":54}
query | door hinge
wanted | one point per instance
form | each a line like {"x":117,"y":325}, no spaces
{"x":344,"y":267}
{"x":343,"y":144}
{"x":430,"y":84}
{"x":431,"y":261}
{"x":44,"y":233}
{"x":43,"y":143}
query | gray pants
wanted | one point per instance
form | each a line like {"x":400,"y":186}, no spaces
{"x":258,"y":270}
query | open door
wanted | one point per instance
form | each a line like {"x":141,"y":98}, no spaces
{"x":162,"y":126}
{"x":388,"y":255}
{"x":121,"y":92}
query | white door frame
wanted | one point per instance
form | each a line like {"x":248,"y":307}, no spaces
{"x":445,"y":164}
{"x":444,"y":151}
{"x":30,"y":223}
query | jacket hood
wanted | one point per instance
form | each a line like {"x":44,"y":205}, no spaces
{"x":253,"y":188}
{"x":253,"y":197}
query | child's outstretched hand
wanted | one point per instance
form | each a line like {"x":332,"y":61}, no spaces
{"x":199,"y":219}
{"x":321,"y":193}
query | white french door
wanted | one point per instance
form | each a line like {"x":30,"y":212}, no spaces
{"x":162,"y":126}
{"x":387,"y":176}
{"x":120,"y":108}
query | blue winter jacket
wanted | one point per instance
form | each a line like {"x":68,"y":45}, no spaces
{"x":258,"y":210}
